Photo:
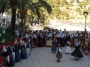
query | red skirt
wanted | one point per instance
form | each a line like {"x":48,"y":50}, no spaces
{"x":72,"y":43}
{"x":89,"y":47}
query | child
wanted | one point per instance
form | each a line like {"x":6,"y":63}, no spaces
{"x":54,"y":48}
{"x":59,"y":54}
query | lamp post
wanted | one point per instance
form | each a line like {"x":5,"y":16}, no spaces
{"x":85,"y":15}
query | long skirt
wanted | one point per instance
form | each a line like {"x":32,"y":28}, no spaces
{"x":89,"y":47}
{"x":20,"y":52}
{"x":72,"y":43}
{"x":62,"y":42}
{"x":13,"y":53}
{"x":41,"y":42}
{"x":1,"y":61}
{"x":11,"y":60}
{"x":28,"y":51}
{"x":17,"y":57}
{"x":5,"y":62}
{"x":48,"y":43}
{"x":77,"y":53}
{"x":24,"y":55}
{"x":54,"y":48}
{"x":58,"y":55}
{"x":68,"y":50}
{"x":35,"y":42}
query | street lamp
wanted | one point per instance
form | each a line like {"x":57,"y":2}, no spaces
{"x":85,"y":15}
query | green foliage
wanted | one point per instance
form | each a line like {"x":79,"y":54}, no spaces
{"x":45,"y":5}
{"x":79,"y":11}
{"x":2,"y":8}
{"x":47,"y":9}
{"x":27,"y":24}
{"x":7,"y":36}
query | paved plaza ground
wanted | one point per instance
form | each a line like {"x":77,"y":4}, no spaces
{"x":42,"y":57}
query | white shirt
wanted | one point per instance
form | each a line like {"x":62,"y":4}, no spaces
{"x":68,"y":42}
{"x":76,"y":44}
{"x":58,"y":35}
{"x":62,"y":35}
{"x":20,"y":41}
{"x":49,"y":35}
{"x":76,"y":35}
{"x":61,"y":32}
{"x":4,"y":49}
{"x":27,"y":35}
{"x":34,"y":36}
{"x":59,"y":49}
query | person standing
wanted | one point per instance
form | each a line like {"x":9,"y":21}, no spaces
{"x":35,"y":40}
{"x":48,"y":40}
{"x":62,"y":39}
{"x":59,"y":53}
{"x":77,"y":52}
{"x":86,"y":44}
{"x":68,"y":49}
{"x":54,"y":48}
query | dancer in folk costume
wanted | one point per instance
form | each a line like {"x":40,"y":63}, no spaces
{"x":1,"y":61}
{"x":58,"y":38}
{"x":68,"y":38}
{"x":17,"y":54}
{"x":28,"y":47}
{"x":11,"y":60}
{"x":48,"y":41}
{"x":5,"y":57}
{"x":62,"y":39}
{"x":86,"y":44}
{"x":68,"y":49}
{"x":89,"y":47}
{"x":72,"y":40}
{"x":23,"y":50}
{"x":31,"y":40}
{"x":77,"y":52}
{"x":41,"y":39}
{"x":35,"y":41}
{"x":59,"y":53}
{"x":54,"y":42}
{"x":89,"y":43}
{"x":82,"y":41}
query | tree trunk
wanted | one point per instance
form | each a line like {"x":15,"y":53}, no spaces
{"x":13,"y":20}
{"x":24,"y":21}
{"x":32,"y":21}
{"x":21,"y":23}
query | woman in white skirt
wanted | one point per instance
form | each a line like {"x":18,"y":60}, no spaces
{"x":28,"y":49}
{"x":68,"y":49}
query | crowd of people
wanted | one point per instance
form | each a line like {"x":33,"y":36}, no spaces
{"x":26,"y":40}
{"x":54,"y":38}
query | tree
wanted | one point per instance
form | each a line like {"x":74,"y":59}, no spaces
{"x":35,"y":7}
{"x":23,"y":5}
{"x":13,"y":5}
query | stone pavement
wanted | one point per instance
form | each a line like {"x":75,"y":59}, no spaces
{"x":42,"y":57}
